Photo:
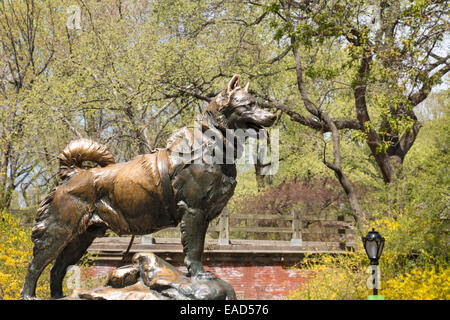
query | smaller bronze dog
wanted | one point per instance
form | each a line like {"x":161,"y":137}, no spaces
{"x":146,"y":194}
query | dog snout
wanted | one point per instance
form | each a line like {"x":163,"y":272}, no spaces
{"x":272,"y":117}
{"x":268,"y":118}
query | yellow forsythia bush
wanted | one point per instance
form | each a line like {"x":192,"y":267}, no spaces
{"x":432,"y":283}
{"x":15,"y":254}
{"x":333,"y":277}
{"x":345,"y":276}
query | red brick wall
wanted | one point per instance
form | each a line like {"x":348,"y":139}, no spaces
{"x":260,"y":282}
{"x":250,"y":282}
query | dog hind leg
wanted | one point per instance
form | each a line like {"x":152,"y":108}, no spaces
{"x":45,"y":250}
{"x":54,"y":228}
{"x":70,"y":255}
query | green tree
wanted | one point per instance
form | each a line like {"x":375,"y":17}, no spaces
{"x":28,"y":42}
{"x":394,"y":56}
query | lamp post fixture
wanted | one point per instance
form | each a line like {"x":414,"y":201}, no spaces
{"x":373,"y":244}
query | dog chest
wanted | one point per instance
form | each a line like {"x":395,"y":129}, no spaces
{"x":205,"y":186}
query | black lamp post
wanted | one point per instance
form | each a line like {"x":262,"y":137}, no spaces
{"x":374,"y":244}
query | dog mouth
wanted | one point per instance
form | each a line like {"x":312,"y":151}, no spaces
{"x":254,"y":126}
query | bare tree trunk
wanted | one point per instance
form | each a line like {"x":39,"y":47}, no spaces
{"x":357,"y":212}
{"x":143,"y":146}
{"x":336,"y":166}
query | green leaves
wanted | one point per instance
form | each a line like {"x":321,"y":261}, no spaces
{"x":323,"y":72}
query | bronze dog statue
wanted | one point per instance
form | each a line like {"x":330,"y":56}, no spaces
{"x":148,"y":193}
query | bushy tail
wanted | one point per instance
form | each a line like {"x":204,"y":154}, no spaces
{"x":70,"y":162}
{"x":77,"y":151}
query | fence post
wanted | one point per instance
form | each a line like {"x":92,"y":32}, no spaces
{"x":342,"y":232}
{"x":224,"y":232}
{"x":148,"y":239}
{"x":296,"y":239}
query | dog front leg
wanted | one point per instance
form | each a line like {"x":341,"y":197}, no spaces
{"x":193,"y":230}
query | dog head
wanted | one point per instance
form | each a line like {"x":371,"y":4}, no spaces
{"x":235,"y":108}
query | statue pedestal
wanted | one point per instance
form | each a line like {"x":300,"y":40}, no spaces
{"x":152,"y":278}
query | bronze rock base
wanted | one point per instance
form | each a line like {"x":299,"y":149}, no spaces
{"x":152,"y":278}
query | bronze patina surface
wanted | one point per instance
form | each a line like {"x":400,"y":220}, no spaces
{"x":148,"y":193}
{"x":151,"y":278}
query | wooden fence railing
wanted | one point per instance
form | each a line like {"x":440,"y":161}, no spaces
{"x":326,"y":228}
{"x":297,"y":227}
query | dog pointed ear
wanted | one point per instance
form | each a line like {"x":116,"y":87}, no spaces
{"x":234,"y":83}
{"x":246,"y":86}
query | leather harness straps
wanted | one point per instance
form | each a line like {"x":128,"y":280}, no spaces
{"x":162,"y":160}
